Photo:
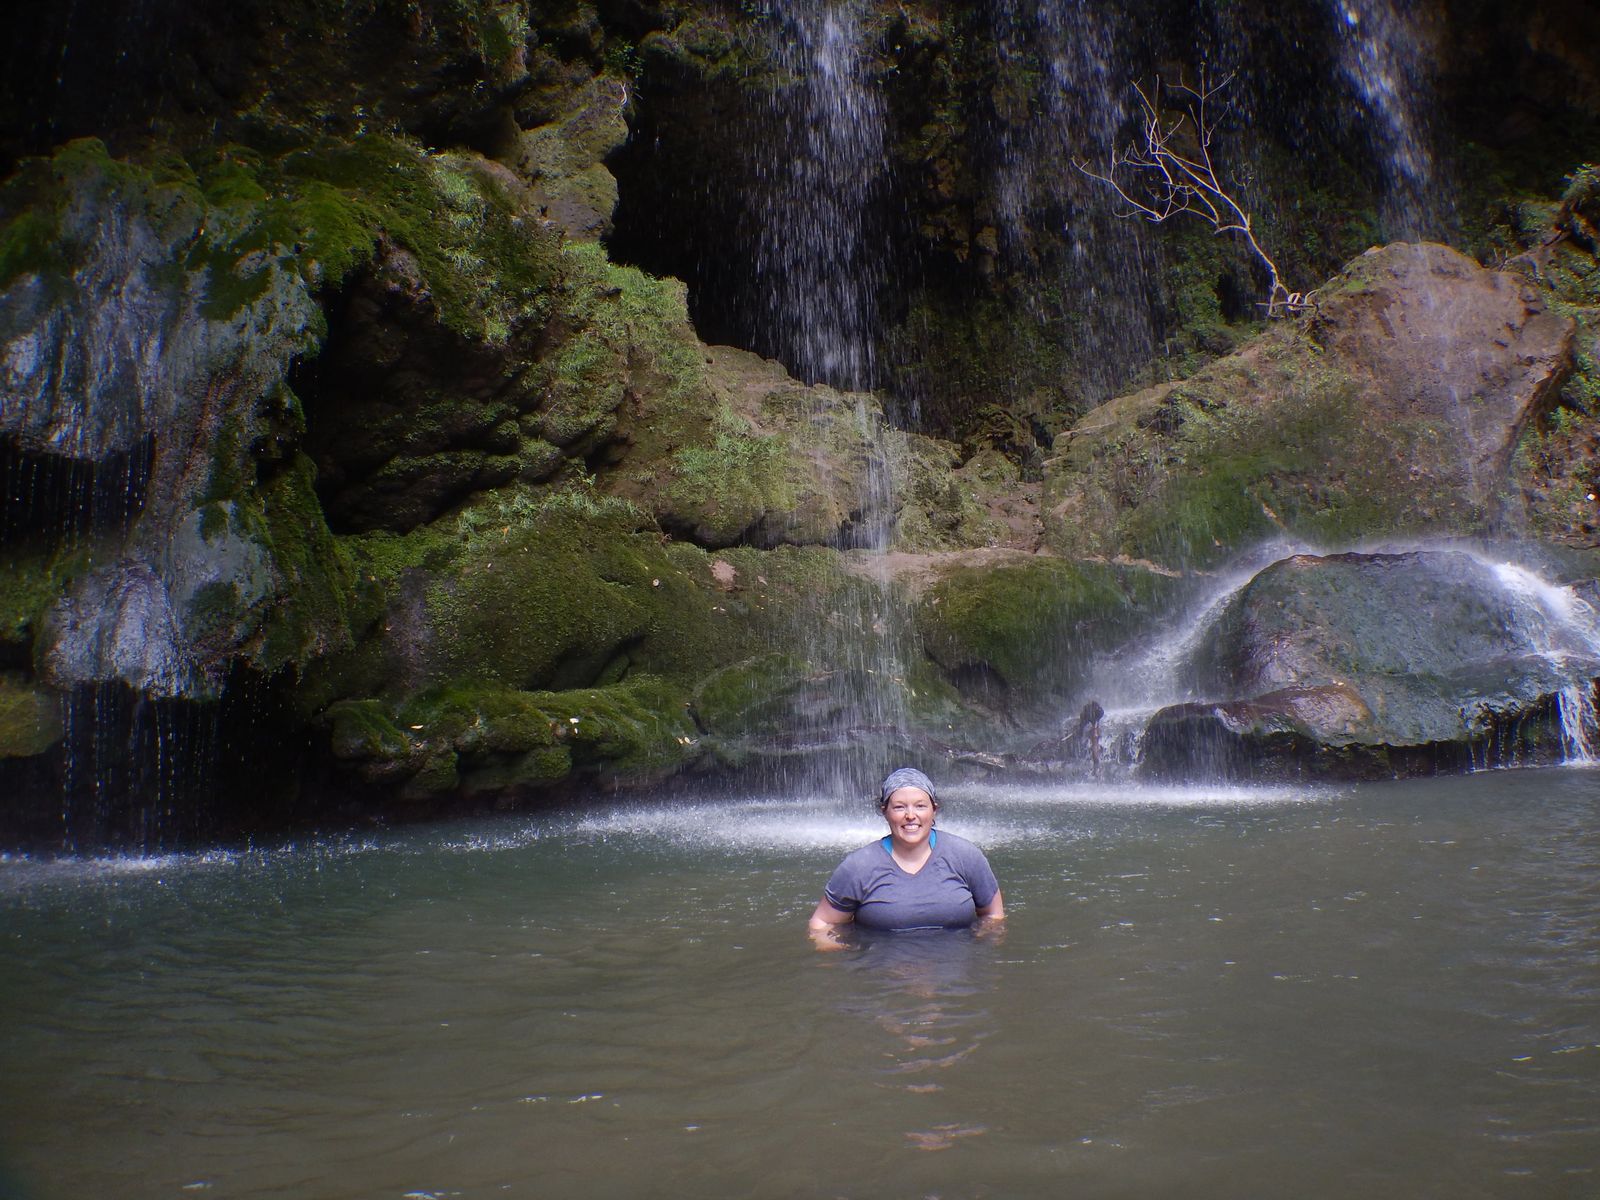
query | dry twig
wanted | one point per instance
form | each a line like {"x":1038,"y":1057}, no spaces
{"x":1165,"y":172}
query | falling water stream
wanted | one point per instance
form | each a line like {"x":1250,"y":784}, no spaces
{"x":816,"y":275}
{"x":1388,"y":57}
{"x":1387,"y":990}
{"x":1203,"y":991}
{"x":1081,"y":101}
{"x":817,"y":268}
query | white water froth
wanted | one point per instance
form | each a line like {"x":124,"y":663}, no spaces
{"x":987,"y":814}
{"x":1560,"y":626}
{"x":1132,"y":686}
{"x":1559,"y":622}
{"x":1579,"y":723}
{"x":23,"y":872}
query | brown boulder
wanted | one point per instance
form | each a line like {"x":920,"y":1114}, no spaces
{"x":1440,"y":337}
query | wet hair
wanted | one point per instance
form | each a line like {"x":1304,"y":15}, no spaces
{"x":905,"y":777}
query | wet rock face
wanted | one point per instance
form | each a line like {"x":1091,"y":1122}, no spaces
{"x":1443,"y":339}
{"x":124,"y":339}
{"x":563,"y":160}
{"x":1341,"y":664}
{"x":122,"y":343}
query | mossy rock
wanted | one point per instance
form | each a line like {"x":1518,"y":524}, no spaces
{"x":1330,"y":433}
{"x":1035,"y":624}
{"x":30,"y":583}
{"x":948,"y":504}
{"x":752,"y":697}
{"x":362,"y":730}
{"x":562,"y":589}
{"x":30,"y":719}
{"x":564,"y":160}
{"x":763,"y":460}
{"x":501,"y":741}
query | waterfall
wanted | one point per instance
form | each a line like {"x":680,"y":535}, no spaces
{"x":1078,"y":107}
{"x":1575,"y":706}
{"x":818,"y":269}
{"x":1550,"y":622}
{"x":1561,"y":625}
{"x":1386,"y":55}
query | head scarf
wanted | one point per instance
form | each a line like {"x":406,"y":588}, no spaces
{"x":903,"y":778}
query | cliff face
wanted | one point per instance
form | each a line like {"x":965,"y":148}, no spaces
{"x":362,"y":447}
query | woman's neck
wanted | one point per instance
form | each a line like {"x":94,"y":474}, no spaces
{"x":912,"y":858}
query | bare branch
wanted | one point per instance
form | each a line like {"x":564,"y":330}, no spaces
{"x":1158,"y":177}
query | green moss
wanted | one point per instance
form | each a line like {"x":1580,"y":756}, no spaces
{"x":322,"y":207}
{"x":734,"y":479}
{"x":35,"y":200}
{"x":1206,"y":516}
{"x":640,"y":315}
{"x":1034,"y":624}
{"x":381,"y":557}
{"x":500,"y":739}
{"x":315,"y":605}
{"x":752,"y":697}
{"x":30,"y":583}
{"x":30,"y":719}
{"x":30,"y":245}
{"x":1259,"y":444}
{"x":216,"y":608}
{"x":363,"y":729}
{"x":542,"y":597}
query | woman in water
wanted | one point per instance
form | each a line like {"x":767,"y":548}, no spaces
{"x":916,"y":878}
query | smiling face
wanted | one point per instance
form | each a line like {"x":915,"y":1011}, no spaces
{"x":909,"y":812}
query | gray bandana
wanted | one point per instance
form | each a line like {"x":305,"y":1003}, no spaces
{"x":905,"y":777}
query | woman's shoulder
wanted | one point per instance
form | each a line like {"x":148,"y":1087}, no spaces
{"x":956,"y":845}
{"x":870,"y":853}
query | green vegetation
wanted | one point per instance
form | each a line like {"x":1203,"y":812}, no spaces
{"x":488,"y":268}
{"x":1036,"y":624}
{"x":240,"y":217}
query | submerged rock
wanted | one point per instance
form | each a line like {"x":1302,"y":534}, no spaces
{"x":1380,"y":663}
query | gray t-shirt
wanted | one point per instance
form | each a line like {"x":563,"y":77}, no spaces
{"x":953,"y":884}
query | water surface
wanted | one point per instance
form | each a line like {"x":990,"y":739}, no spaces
{"x":1388,"y":991}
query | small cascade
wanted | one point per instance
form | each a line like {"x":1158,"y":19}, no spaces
{"x":1549,"y":624}
{"x":1559,"y":622}
{"x":1386,"y":53}
{"x":1151,"y":675}
{"x":1580,"y":725}
{"x":1561,"y":626}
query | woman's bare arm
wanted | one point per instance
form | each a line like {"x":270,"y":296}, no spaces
{"x":825,"y":924}
{"x":995,"y":910}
